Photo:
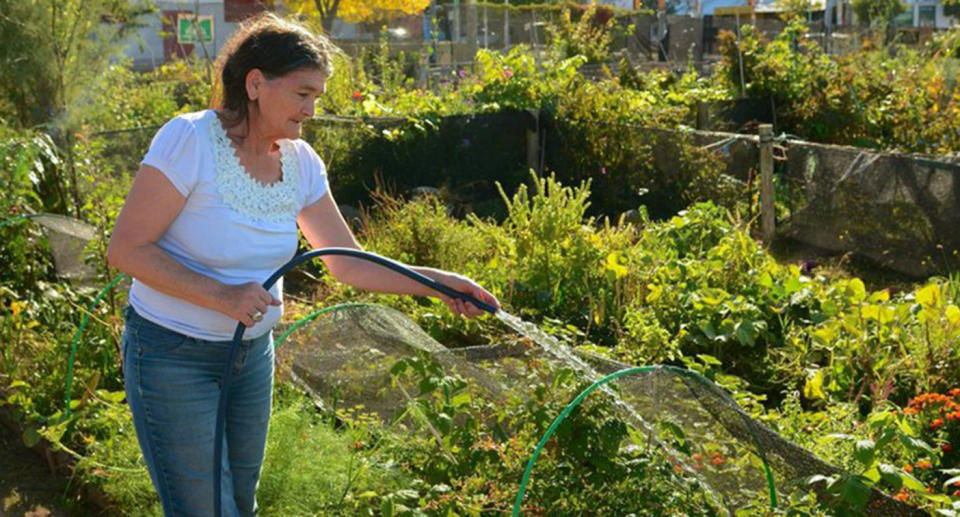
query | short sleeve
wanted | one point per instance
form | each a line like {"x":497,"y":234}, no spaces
{"x":175,"y":152}
{"x":314,"y":174}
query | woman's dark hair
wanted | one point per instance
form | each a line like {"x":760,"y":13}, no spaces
{"x":274,"y":46}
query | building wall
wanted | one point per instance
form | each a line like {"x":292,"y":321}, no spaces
{"x":156,"y":43}
{"x":940,"y":20}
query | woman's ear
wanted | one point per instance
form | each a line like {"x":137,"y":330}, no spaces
{"x":254,"y":82}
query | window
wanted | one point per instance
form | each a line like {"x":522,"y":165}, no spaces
{"x":927,"y":16}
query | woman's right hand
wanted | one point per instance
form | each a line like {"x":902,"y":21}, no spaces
{"x":241,"y":302}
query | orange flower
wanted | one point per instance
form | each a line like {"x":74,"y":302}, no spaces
{"x":717,"y":461}
{"x":954,"y":416}
{"x":901,"y":495}
{"x":955,"y":392}
{"x":908,"y":468}
{"x":698,"y":457}
{"x":924,"y":464}
{"x":946,"y":447}
{"x":936,"y":424}
{"x":911,"y":411}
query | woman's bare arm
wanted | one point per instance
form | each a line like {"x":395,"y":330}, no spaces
{"x":324,"y":226}
{"x":151,"y":206}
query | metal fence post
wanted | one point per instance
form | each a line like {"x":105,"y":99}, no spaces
{"x":767,"y":198}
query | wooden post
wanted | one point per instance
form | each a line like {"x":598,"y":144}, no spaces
{"x":533,"y":142}
{"x":767,"y":198}
{"x":703,"y":116}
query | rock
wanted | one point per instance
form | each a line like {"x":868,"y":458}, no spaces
{"x":352,"y":216}
{"x":632,"y":216}
{"x":425,"y":191}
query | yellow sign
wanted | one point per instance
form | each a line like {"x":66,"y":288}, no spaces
{"x":743,"y":10}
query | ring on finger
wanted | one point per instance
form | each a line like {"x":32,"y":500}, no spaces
{"x":257,"y":316}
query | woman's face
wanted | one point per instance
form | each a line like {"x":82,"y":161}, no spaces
{"x":285,"y":102}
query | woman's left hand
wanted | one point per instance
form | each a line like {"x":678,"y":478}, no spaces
{"x":465,"y":285}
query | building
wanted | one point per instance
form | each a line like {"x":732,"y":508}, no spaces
{"x":926,"y":14}
{"x":188,"y":27}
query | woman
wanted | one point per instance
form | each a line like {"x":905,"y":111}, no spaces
{"x":213,"y":211}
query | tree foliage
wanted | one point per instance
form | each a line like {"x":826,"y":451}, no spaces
{"x":877,"y":12}
{"x":355,"y":11}
{"x":53,"y":52}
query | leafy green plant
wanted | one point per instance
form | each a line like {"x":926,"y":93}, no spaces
{"x":589,"y":36}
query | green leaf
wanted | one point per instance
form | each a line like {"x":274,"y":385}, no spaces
{"x":853,"y":490}
{"x":813,"y":388}
{"x":890,"y":475}
{"x":929,"y":296}
{"x":864,"y":451}
{"x":916,"y":445}
{"x":856,"y":289}
{"x":912,"y":483}
{"x":387,"y":507}
{"x":746,"y":334}
{"x":31,"y":437}
{"x":953,"y":315}
{"x":709,"y":359}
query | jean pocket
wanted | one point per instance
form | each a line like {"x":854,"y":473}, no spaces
{"x":154,"y":338}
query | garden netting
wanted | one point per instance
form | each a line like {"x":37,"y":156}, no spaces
{"x":68,"y":239}
{"x":902,"y":211}
{"x":344,"y":358}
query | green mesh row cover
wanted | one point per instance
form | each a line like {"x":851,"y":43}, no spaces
{"x":68,"y":239}
{"x":344,"y":358}
{"x":902,"y":211}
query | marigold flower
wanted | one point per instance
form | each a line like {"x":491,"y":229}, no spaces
{"x":924,"y":464}
{"x":717,"y":461}
{"x":954,"y":416}
{"x":901,"y":495}
{"x":955,"y":392}
{"x":908,"y":468}
{"x":698,"y":457}
{"x":910,"y":411}
{"x":357,"y":95}
{"x":936,"y":424}
{"x":946,"y":447}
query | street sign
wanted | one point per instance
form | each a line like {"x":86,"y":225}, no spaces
{"x":190,"y":26}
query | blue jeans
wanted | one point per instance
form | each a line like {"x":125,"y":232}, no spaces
{"x":172,"y":383}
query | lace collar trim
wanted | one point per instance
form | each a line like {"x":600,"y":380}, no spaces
{"x":275,"y":202}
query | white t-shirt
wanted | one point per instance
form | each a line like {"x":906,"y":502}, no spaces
{"x":232,"y":228}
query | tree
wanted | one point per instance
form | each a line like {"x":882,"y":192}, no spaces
{"x":355,"y":11}
{"x":794,"y":9}
{"x":876,"y":12}
{"x":53,"y":52}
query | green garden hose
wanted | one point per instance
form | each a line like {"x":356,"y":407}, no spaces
{"x":76,"y":336}
{"x":576,"y":402}
{"x":309,"y":317}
